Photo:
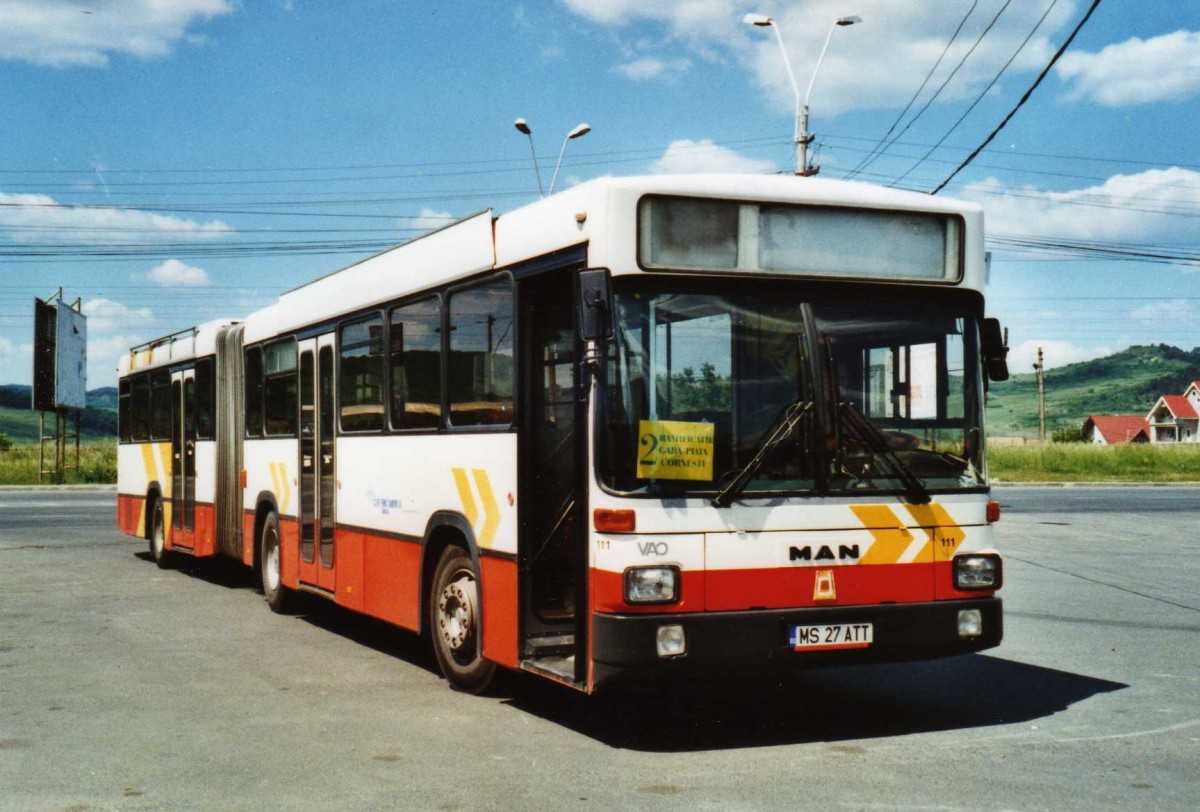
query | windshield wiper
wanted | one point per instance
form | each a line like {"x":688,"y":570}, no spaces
{"x":779,"y":431}
{"x":869,"y":433}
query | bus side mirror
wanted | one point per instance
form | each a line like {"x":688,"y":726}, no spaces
{"x":994,"y":350}
{"x":595,"y":305}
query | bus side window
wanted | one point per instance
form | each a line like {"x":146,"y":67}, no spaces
{"x":415,"y":367}
{"x":280,"y":389}
{"x":205,"y":400}
{"x":361,"y":374}
{"x":160,"y":405}
{"x":139,"y":408}
{"x":481,"y":355}
{"x":254,"y":392}
{"x":123,"y":411}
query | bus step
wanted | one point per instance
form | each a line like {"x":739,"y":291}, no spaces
{"x":544,"y":645}
{"x":559,"y":668}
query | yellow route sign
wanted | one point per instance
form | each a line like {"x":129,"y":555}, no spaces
{"x":673,"y":449}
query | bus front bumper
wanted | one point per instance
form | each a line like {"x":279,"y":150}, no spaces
{"x":763,"y":638}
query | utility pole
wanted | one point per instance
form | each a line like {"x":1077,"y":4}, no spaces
{"x":1039,"y":367}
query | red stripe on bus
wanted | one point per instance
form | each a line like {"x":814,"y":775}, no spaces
{"x":499,"y":595}
{"x":129,"y":509}
{"x":785,"y":588}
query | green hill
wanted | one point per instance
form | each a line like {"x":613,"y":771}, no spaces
{"x":20,"y":422}
{"x":1128,"y":382}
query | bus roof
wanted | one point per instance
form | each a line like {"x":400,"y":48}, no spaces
{"x":598,"y":214}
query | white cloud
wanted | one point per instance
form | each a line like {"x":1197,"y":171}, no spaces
{"x":646,"y":68}
{"x":42,"y":219}
{"x":879,"y":63}
{"x":1142,"y":206}
{"x":103,"y":355}
{"x":7,"y":348}
{"x":66,"y":33}
{"x":1165,"y":314}
{"x":175,"y":274}
{"x":705,"y":156}
{"x":695,"y":18}
{"x":1136,"y":71}
{"x":1022,"y":357}
{"x":105,"y":315}
{"x":427,"y":220}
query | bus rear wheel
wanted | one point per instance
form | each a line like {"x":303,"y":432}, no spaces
{"x":158,"y":537}
{"x":278,"y":596}
{"x":454,"y":623}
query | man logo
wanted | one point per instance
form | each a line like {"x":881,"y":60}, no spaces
{"x":845,"y":552}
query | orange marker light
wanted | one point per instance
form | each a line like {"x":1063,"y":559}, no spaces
{"x":614,"y":521}
{"x":993,"y":512}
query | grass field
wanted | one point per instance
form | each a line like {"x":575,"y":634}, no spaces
{"x":1081,"y":462}
{"x":97,"y":464}
{"x":1055,"y":462}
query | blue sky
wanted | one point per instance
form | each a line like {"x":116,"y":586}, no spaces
{"x":171,"y":161}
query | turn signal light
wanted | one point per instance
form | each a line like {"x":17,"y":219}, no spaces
{"x":614,"y":521}
{"x":993,"y":512}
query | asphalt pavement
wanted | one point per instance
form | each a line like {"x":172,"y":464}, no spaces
{"x":123,"y":686}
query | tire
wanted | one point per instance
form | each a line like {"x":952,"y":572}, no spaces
{"x":454,"y":623}
{"x":279,"y":597}
{"x":158,"y":537}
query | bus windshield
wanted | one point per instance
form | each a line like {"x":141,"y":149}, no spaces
{"x":791,"y":388}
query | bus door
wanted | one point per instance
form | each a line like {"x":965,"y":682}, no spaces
{"x":317,"y":469}
{"x":553,"y":565}
{"x":183,"y":458}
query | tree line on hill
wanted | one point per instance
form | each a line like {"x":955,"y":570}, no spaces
{"x":20,"y":423}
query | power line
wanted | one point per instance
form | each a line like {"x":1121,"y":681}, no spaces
{"x":1023,"y":99}
{"x":883,"y":142}
{"x":983,"y":92}
{"x":954,"y":72}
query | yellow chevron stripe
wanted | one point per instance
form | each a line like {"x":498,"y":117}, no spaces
{"x":148,"y":462}
{"x":164,"y":452}
{"x":945,"y":536}
{"x":491,"y":512}
{"x":464,"y":493}
{"x":274,"y":479}
{"x":891,"y":537}
{"x":286,"y":486}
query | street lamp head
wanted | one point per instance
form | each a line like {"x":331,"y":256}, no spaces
{"x":581,"y":130}
{"x":522,"y":127}
{"x":849,"y":20}
{"x":757,"y":19}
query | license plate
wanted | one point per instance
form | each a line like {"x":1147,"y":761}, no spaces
{"x":831,"y":636}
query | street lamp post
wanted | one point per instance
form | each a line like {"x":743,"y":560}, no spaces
{"x":523,"y":128}
{"x":578,"y":132}
{"x":803,"y":138}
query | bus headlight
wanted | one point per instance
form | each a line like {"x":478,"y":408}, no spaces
{"x":652,"y":584}
{"x":977,"y":571}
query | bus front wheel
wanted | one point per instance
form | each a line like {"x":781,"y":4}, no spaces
{"x":454,"y":623}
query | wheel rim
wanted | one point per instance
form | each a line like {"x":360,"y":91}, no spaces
{"x":456,"y":616}
{"x":271,"y":563}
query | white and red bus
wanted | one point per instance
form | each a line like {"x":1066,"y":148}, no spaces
{"x":649,"y":425}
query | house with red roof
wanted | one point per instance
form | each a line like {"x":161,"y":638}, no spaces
{"x":1116,"y":429}
{"x":1176,"y":418}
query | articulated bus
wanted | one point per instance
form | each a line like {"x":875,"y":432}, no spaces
{"x":647,"y":426}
